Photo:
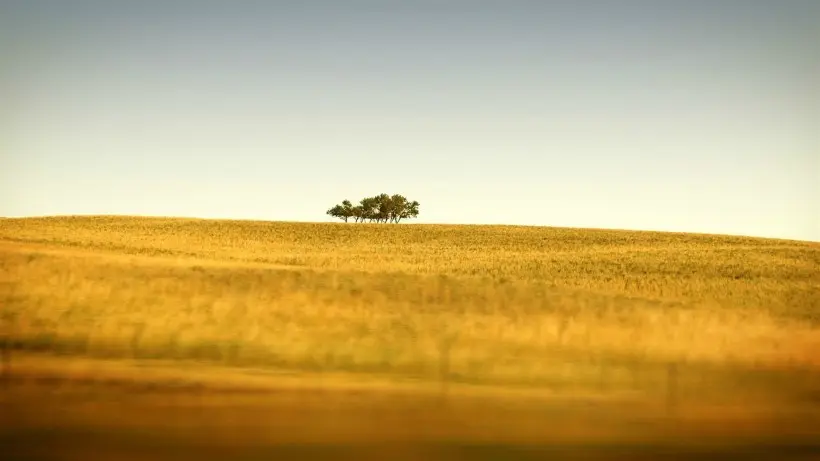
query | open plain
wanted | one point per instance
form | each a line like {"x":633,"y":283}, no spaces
{"x":166,"y":338}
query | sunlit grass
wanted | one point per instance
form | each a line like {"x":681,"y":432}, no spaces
{"x":544,"y":307}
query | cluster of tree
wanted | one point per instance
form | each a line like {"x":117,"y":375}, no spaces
{"x":381,"y":208}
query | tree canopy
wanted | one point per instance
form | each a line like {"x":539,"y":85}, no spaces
{"x":380,"y":208}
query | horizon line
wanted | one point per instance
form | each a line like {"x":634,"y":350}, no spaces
{"x":416,"y":223}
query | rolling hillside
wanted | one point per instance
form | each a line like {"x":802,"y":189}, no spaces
{"x":611,"y":331}
{"x":507,"y":303}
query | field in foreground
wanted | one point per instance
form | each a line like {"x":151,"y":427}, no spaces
{"x":613,"y":326}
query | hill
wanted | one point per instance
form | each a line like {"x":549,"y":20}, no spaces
{"x":506,"y":302}
{"x":609,"y":328}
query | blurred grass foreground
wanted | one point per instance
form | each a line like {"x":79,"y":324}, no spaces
{"x":161,"y":338}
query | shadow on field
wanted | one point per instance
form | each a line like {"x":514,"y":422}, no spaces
{"x":85,"y":446}
{"x":52,"y":419}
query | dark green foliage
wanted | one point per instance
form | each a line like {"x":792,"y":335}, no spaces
{"x":381,"y":208}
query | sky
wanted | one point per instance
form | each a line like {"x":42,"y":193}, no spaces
{"x":691,"y":116}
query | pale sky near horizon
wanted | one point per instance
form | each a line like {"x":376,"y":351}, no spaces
{"x":692,"y":116}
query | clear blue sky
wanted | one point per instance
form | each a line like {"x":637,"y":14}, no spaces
{"x":692,"y":115}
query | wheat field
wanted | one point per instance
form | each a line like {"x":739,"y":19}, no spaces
{"x":569,"y":311}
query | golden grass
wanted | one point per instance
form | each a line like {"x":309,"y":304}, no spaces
{"x":545,"y":307}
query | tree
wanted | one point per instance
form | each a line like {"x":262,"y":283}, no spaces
{"x":382,"y":208}
{"x":411,"y":211}
{"x":347,"y":209}
{"x":369,"y":208}
{"x":398,"y":203}
{"x":358,"y":213}
{"x":337,"y":212}
{"x":343,"y":211}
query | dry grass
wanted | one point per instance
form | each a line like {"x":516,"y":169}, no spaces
{"x":256,"y":340}
{"x":558,"y":308}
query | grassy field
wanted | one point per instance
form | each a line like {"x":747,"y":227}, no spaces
{"x":659,"y":320}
